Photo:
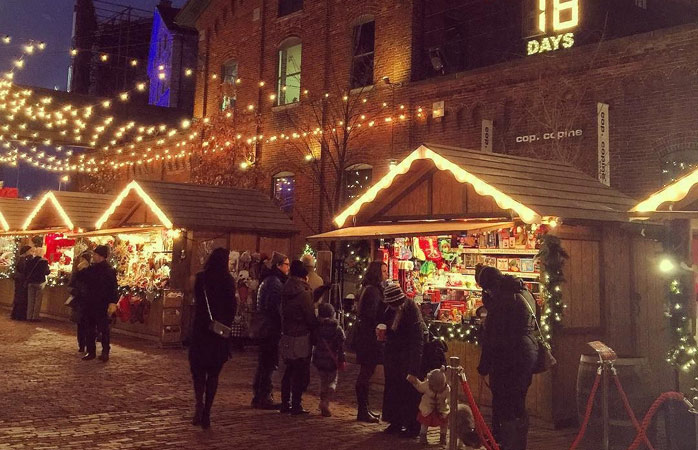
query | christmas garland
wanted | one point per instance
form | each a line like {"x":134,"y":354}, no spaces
{"x":552,"y":258}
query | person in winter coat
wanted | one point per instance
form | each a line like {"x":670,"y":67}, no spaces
{"x":214,"y":291}
{"x":35,"y":273}
{"x":328,"y":354}
{"x":78,"y":289}
{"x":19,"y":302}
{"x":269,"y":303}
{"x":509,"y":353}
{"x":403,"y":356}
{"x":314,"y":280}
{"x":433,"y":408}
{"x":297,"y":323}
{"x":369,"y":352}
{"x":100,"y":280}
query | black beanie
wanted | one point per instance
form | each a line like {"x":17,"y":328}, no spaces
{"x":103,"y":251}
{"x":489,"y":277}
{"x":298,"y":270}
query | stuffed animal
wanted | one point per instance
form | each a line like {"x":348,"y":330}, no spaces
{"x":433,"y":409}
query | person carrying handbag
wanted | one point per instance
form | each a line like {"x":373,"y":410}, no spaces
{"x":297,"y":323}
{"x":509,"y":353}
{"x":215,"y":305}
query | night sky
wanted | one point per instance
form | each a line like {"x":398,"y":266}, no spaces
{"x":50,"y":21}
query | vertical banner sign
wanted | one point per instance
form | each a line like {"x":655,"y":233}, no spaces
{"x":604,"y":144}
{"x":487,"y":126}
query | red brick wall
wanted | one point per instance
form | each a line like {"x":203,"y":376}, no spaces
{"x":648,"y":80}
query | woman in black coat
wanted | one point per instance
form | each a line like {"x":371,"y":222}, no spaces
{"x":403,"y":356}
{"x":19,"y":303}
{"x":509,"y":353}
{"x":214,"y":288}
{"x":369,"y":352}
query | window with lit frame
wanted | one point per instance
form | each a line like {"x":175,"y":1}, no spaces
{"x":283,"y":188}
{"x":358,"y":178}
{"x":229,"y":73}
{"x":288,"y":89}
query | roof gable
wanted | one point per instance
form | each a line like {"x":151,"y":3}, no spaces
{"x":68,"y":210}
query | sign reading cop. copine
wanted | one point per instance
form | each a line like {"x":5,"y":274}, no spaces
{"x":604,"y":144}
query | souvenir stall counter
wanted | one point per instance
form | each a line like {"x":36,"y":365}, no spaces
{"x":442,"y":210}
{"x":162,"y":233}
{"x":13,"y":212}
{"x":50,"y":225}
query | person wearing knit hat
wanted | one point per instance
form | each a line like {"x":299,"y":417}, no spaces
{"x":297,"y":324}
{"x":19,"y":302}
{"x":314,"y":280}
{"x":403,"y":357}
{"x":488,"y":277}
{"x":100,"y":282}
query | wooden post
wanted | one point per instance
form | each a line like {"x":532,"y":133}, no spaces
{"x":454,"y":380}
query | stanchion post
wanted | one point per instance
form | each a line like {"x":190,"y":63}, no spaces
{"x":604,"y":404}
{"x":454,"y":381}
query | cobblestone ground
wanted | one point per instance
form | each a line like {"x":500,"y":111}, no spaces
{"x":50,"y":399}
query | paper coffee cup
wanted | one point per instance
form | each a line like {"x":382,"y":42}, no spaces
{"x":381,"y":331}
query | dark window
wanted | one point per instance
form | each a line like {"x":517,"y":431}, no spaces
{"x":287,"y":7}
{"x":357,"y":179}
{"x":362,"y":62}
{"x":283,"y":186}
{"x":678,"y":163}
{"x":288,"y":87}
{"x":229,"y":73}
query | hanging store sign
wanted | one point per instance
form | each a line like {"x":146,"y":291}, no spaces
{"x":486,"y":145}
{"x":550,"y":24}
{"x":604,"y":142}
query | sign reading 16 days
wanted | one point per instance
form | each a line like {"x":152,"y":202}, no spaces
{"x":549,"y":24}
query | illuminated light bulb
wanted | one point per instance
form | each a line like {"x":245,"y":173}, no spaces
{"x":214,"y":76}
{"x":250,"y":107}
{"x":162,"y":75}
{"x":19,"y":63}
{"x":244,"y":165}
{"x":261,"y":84}
{"x":6,"y":39}
{"x":327,"y":95}
{"x":188,"y":72}
{"x":140,"y":87}
{"x":666,"y":265}
{"x":74,"y":52}
{"x":238,"y":80}
{"x":309,"y":157}
{"x":186,"y":123}
{"x":29,"y":48}
{"x":345,"y":98}
{"x":104,"y":57}
{"x":41,"y":45}
{"x":134,"y":62}
{"x":388,"y":119}
{"x":272,"y":97}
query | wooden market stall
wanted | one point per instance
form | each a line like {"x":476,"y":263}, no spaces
{"x":53,"y":216}
{"x":161,"y":234}
{"x":13,"y":212}
{"x":448,"y":208}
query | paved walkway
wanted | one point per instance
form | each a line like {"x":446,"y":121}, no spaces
{"x":50,"y":399}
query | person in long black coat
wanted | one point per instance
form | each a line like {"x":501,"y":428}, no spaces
{"x":102,"y":289}
{"x":509,"y":353}
{"x":403,"y":356}
{"x":79,"y":290}
{"x":214,"y":288}
{"x":21,"y":296}
{"x":369,"y":352}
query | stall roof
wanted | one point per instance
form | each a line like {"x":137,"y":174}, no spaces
{"x":70,"y":210}
{"x":408,"y":229}
{"x":202,"y":207}
{"x":532,"y":188}
{"x":13,"y":211}
{"x":670,"y":197}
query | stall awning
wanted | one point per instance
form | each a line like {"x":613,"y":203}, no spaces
{"x":197,"y":207}
{"x":531,"y":188}
{"x":13,"y":212}
{"x":677,"y":200}
{"x":407,"y":230}
{"x":67,"y":210}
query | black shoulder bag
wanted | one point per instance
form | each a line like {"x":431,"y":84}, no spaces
{"x":216,"y":327}
{"x":545,"y":360}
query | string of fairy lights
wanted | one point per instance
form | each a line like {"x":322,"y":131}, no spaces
{"x":137,"y":144}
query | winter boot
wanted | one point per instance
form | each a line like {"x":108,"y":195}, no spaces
{"x":513,"y":434}
{"x":325,"y":406}
{"x":363,"y":414}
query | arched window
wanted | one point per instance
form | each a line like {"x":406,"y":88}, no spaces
{"x":283,"y":187}
{"x":288,"y":88}
{"x":677,"y":163}
{"x":357,"y":178}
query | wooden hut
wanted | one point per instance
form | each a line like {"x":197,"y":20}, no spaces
{"x":610,"y":290}
{"x":154,"y":225}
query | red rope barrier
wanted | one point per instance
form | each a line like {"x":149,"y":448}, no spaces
{"x":650,"y":414}
{"x":640,"y":432}
{"x":587,"y":414}
{"x":481,"y":427}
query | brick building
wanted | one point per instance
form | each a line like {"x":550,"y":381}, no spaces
{"x":284,"y":79}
